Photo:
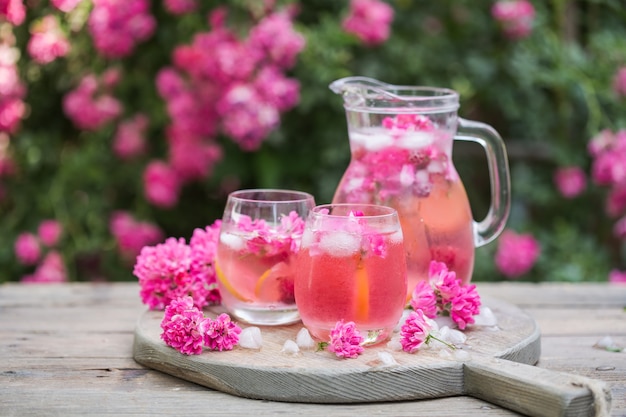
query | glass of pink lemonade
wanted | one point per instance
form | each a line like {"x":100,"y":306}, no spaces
{"x":259,"y":239}
{"x":351,"y":267}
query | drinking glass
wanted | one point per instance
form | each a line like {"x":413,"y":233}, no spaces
{"x":259,"y":238}
{"x":351,"y":267}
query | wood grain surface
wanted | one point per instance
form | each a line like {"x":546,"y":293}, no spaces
{"x":66,"y":350}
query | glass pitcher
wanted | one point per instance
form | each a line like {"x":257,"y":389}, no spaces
{"x":401,"y":140}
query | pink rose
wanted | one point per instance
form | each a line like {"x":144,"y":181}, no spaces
{"x":49,"y":232}
{"x":161,"y":184}
{"x":515,"y":16}
{"x":570,"y":181}
{"x":516,"y":253}
{"x":27,"y":249}
{"x":369,"y":20}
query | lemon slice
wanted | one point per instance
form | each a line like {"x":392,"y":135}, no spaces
{"x":362,"y":292}
{"x":227,"y":285}
{"x":267,"y":287}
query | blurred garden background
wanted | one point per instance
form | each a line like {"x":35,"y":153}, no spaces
{"x":124,"y":122}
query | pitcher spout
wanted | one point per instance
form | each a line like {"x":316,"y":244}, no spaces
{"x":365,"y":93}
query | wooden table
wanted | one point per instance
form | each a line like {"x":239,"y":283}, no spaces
{"x":67,"y":350}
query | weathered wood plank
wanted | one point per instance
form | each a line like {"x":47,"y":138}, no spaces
{"x":553,"y":294}
{"x":67,"y":351}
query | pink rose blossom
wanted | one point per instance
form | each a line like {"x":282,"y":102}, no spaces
{"x":182,"y":325}
{"x":132,"y":235}
{"x":49,"y":232}
{"x":619,"y":82}
{"x":129,"y":140}
{"x":515,"y":16}
{"x":369,"y":20}
{"x":164,"y":275}
{"x":617,"y":277}
{"x":570,"y":181}
{"x":12,"y":90}
{"x":178,"y":7}
{"x":65,"y":5}
{"x":246,"y":116}
{"x":423,"y":298}
{"x":161,"y":184}
{"x":414,"y":332}
{"x":117,"y":26}
{"x":221,"y":333}
{"x":203,"y":245}
{"x":51,"y":270}
{"x":88,"y":108}
{"x":276,"y":89}
{"x":464,"y":306}
{"x":192,"y":158}
{"x":48,"y":42}
{"x":275,"y":36}
{"x":13,"y":10}
{"x":444,"y":281}
{"x":345,"y":340}
{"x":27,"y":249}
{"x":516,"y":253}
{"x":600,"y":142}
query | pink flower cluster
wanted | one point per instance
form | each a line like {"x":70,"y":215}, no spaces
{"x":130,"y":140}
{"x":515,"y":17}
{"x":415,"y":331}
{"x":570,"y":181}
{"x":90,"y":105}
{"x":444,"y":294}
{"x":345,"y":340}
{"x":187,"y":330}
{"x":12,"y":89}
{"x":132,"y":235}
{"x":369,"y":20}
{"x":50,"y":270}
{"x":516,"y":253}
{"x":13,"y":11}
{"x":271,"y":241}
{"x":220,"y":83}
{"x":48,"y":42}
{"x":173,"y":269}
{"x":608,"y":150}
{"x":617,"y":277}
{"x":117,"y":26}
{"x":29,"y":248}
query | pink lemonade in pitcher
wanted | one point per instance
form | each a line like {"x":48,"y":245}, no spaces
{"x":351,"y":275}
{"x":405,"y":164}
{"x":401,"y":140}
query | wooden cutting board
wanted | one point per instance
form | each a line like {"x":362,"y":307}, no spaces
{"x":497,"y":368}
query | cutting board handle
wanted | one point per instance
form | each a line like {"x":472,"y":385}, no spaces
{"x":535,"y":391}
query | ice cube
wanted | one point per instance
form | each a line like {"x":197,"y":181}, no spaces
{"x":340,"y":243}
{"x":374,"y":140}
{"x":290,"y":348}
{"x":251,"y":338}
{"x":387,"y":359}
{"x":232,"y":241}
{"x":304,"y":339}
{"x":485,"y":317}
{"x":415,"y":140}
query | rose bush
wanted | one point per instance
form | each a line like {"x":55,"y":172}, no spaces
{"x":125,"y":122}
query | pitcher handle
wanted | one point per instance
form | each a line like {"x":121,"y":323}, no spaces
{"x":490,"y":227}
